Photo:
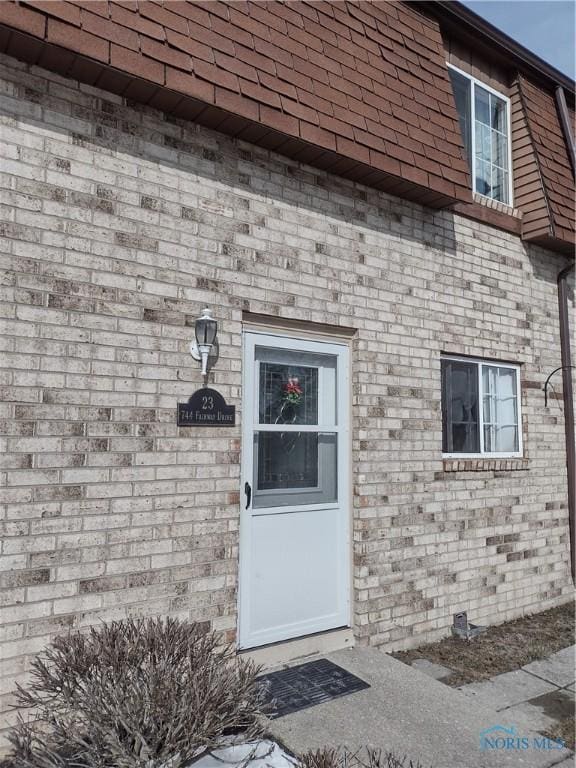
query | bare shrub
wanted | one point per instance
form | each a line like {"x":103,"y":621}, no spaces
{"x":364,"y":758}
{"x":147,"y":693}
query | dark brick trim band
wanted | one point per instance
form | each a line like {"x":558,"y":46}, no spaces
{"x":485,"y":465}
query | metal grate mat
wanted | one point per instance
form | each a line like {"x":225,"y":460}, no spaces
{"x":307,"y":685}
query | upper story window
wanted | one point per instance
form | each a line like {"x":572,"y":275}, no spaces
{"x":480,"y":408}
{"x":485,"y":124}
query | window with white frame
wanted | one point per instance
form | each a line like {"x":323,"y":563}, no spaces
{"x":485,"y":126}
{"x":480,"y":408}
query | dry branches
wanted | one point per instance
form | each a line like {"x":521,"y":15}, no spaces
{"x":148,"y":693}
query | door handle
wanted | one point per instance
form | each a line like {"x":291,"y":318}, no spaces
{"x":248,"y":492}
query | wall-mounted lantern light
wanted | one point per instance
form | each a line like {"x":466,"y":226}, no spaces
{"x":205,"y":328}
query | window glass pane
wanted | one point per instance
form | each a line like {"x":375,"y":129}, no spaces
{"x":482,"y":105}
{"x":483,"y":146}
{"x":500,"y":439}
{"x":294,"y":468}
{"x":499,"y":150}
{"x":489,"y":438}
{"x":498,"y":114}
{"x":491,"y":145}
{"x":500,"y":402}
{"x":499,"y":185}
{"x":483,"y":178}
{"x":506,"y":382}
{"x":507,"y":440}
{"x":460,"y":407}
{"x":461,"y":87}
{"x":488,"y":413}
{"x":488,"y":382}
{"x":506,"y":396}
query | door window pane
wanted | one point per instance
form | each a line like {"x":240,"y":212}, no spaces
{"x":287,"y":460}
{"x":460,"y":407}
{"x":288,"y":394}
{"x":294,"y":468}
{"x":296,"y":387}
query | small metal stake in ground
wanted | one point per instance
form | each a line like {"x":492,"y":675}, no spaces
{"x":463,"y":629}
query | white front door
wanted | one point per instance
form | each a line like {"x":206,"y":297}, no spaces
{"x":295,"y":515}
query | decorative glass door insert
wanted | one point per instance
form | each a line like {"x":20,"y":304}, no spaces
{"x":295,"y":451}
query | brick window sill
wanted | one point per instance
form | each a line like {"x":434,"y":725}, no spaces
{"x":491,"y":212}
{"x":485,"y":465}
{"x":506,"y":210}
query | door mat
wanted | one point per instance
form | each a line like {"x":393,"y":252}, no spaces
{"x":306,"y":685}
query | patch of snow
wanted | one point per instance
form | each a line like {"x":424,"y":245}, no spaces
{"x":256,"y":754}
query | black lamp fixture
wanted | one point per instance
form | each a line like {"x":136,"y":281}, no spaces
{"x":205,"y":329}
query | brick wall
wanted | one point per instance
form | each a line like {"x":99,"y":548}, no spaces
{"x":117,"y":227}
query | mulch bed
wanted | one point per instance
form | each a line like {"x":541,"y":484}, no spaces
{"x":502,"y":648}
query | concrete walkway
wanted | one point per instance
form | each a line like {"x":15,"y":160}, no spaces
{"x":410,"y":713}
{"x":541,"y":693}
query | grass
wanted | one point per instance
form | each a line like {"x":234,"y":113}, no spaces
{"x":563,"y":730}
{"x":502,"y":648}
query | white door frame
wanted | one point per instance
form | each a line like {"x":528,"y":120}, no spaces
{"x":290,"y":341}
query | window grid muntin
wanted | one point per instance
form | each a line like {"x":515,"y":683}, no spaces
{"x":480,"y":363}
{"x":508,"y":171}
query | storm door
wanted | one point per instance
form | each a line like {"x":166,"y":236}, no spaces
{"x":294,"y":527}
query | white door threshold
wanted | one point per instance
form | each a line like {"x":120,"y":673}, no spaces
{"x":300,"y":649}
